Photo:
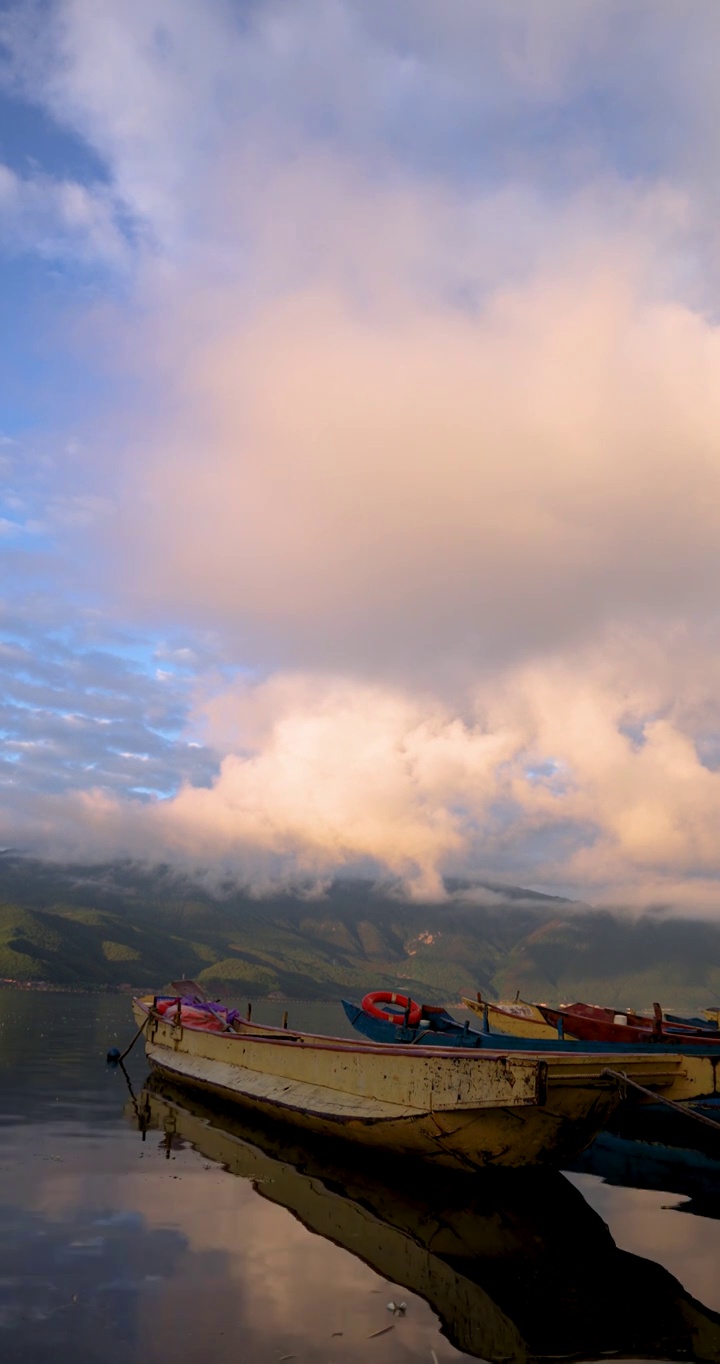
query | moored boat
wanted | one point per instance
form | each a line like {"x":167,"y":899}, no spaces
{"x":703,"y":1024}
{"x":593,"y":1023}
{"x":453,"y":1106}
{"x":435,"y":1027}
{"x":589,"y":1023}
{"x":516,"y":1019}
{"x":438,"y":1027}
{"x":696,"y":1085}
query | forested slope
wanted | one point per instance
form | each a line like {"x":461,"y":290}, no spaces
{"x":124,"y":925}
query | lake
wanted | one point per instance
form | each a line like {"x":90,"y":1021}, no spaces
{"x":140,"y":1223}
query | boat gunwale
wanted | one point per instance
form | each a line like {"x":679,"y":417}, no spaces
{"x":597,"y":1060}
{"x":320,"y":1042}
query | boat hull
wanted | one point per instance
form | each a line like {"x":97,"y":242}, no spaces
{"x":594,"y":1025}
{"x":695,"y":1082}
{"x":517,"y":1020}
{"x":456,"y":1109}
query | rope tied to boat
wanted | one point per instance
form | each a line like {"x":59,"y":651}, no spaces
{"x":624,"y":1079}
{"x":115,"y":1057}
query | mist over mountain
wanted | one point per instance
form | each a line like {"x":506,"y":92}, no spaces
{"x":122,"y":924}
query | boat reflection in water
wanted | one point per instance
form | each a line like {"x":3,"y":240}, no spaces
{"x":515,"y":1263}
{"x":685,"y":1160}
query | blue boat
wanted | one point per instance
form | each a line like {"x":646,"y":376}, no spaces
{"x":702,"y":1024}
{"x":437,"y":1027}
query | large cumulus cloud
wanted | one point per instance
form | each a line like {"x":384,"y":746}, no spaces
{"x":413,"y":485}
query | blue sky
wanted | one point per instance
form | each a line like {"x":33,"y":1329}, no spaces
{"x":359,"y":439}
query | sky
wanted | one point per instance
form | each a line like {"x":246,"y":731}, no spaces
{"x":360,"y":440}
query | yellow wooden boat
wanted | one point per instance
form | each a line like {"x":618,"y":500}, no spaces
{"x":456,"y":1107}
{"x":696,"y":1074}
{"x":517,"y":1265}
{"x":516,"y":1018}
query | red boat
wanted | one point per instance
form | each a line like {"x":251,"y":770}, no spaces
{"x":592,"y":1023}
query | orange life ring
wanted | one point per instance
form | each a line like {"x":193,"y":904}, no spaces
{"x":411,"y":1010}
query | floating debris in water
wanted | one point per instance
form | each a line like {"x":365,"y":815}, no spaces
{"x":398,"y":1309}
{"x":382,"y":1332}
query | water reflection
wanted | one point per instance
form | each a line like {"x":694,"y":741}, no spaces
{"x":113,"y":1248}
{"x":83,"y":1275}
{"x":516,"y":1264}
{"x":626,"y":1162}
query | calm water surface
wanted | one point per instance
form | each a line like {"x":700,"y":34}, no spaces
{"x":150,"y":1226}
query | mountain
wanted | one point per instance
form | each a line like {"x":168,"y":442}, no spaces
{"x":121,"y":924}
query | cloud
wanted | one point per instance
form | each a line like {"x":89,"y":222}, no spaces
{"x":166,"y":93}
{"x":59,"y":219}
{"x":419,"y":321}
{"x":78,"y":711}
{"x":387,"y":485}
{"x":581,"y":774}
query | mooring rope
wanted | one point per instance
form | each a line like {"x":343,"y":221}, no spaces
{"x":660,"y":1098}
{"x":116,"y":1057}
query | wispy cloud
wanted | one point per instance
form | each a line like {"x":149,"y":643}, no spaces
{"x":59,"y":219}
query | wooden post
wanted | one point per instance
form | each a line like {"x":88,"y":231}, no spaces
{"x":249,"y":1011}
{"x":285,"y":1018}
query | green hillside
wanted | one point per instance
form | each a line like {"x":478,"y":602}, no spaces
{"x":123,"y":925}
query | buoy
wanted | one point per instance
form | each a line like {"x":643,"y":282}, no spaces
{"x":113,"y":1054}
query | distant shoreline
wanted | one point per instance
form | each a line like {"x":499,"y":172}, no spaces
{"x":51,"y":987}
{"x":48,"y":987}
